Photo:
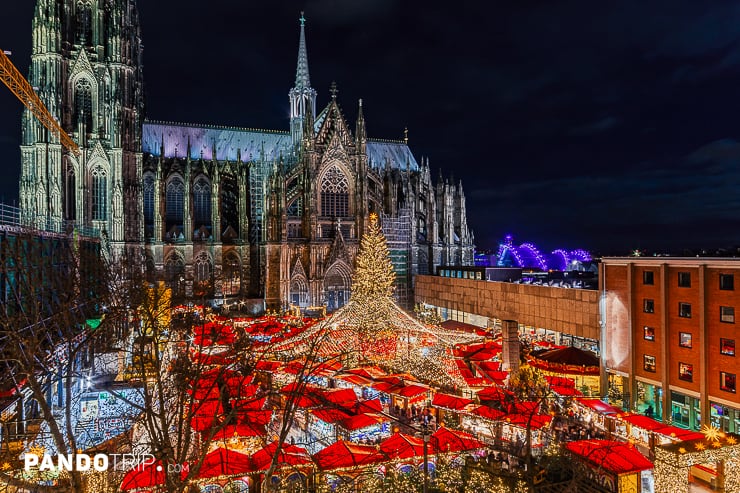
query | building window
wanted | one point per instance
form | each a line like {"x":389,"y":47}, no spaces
{"x":149,"y":205}
{"x":684,"y":279}
{"x":727,"y":347}
{"x":727,"y":314}
{"x":648,"y":363}
{"x":648,"y":277}
{"x":175,"y":203}
{"x":684,"y":339}
{"x":686,"y":372}
{"x":334,"y":194}
{"x":202,"y":202}
{"x":727,"y":381}
{"x":727,"y":282}
{"x":100,"y":194}
{"x":648,"y":333}
{"x":648,"y":306}
{"x":83,"y":110}
{"x":684,"y":310}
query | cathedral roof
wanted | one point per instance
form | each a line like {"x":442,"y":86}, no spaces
{"x":252,"y":142}
{"x":203,"y":138}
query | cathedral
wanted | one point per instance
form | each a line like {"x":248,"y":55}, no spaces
{"x":216,"y":211}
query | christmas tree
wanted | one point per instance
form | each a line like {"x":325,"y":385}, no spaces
{"x":374,"y":278}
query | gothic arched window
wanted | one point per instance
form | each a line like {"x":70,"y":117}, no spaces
{"x":202,"y":269}
{"x":70,"y":194}
{"x":229,"y":204}
{"x":99,"y":194}
{"x":175,"y":203}
{"x":202,"y":202}
{"x":149,"y":205}
{"x":174,"y":271}
{"x":231,"y":274}
{"x":334,"y":193}
{"x":299,"y":291}
{"x":83,"y":105}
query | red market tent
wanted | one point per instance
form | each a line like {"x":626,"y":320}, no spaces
{"x":495,"y":393}
{"x":347,"y":455}
{"x":488,"y":413}
{"x":289,"y":455}
{"x":566,"y":391}
{"x":400,"y":446}
{"x":453,"y":402}
{"x":567,"y":360}
{"x":144,"y":476}
{"x":205,"y":413}
{"x":224,"y":462}
{"x":614,"y":457}
{"x":677,"y":433}
{"x":240,"y":430}
{"x":643,"y":422}
{"x":599,"y":406}
{"x":360,"y":421}
{"x":446,"y":440}
{"x":526,"y":420}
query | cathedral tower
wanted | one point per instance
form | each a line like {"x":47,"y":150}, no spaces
{"x":86,"y":65}
{"x":302,"y":96}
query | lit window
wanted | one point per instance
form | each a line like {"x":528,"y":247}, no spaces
{"x":727,"y":347}
{"x":648,"y":363}
{"x":334,"y":193}
{"x":686,"y":372}
{"x":684,"y":339}
{"x":684,"y":310}
{"x":648,"y":333}
{"x":727,"y":314}
{"x":727,"y":381}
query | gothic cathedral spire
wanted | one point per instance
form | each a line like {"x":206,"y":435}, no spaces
{"x":302,"y":96}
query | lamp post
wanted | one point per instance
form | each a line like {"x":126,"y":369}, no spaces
{"x":425,"y":437}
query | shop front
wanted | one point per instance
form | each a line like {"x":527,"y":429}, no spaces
{"x":685,"y":411}
{"x":724,"y":417}
{"x":649,"y":399}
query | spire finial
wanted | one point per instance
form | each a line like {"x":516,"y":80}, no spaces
{"x":406,"y":135}
{"x":333,"y":90}
{"x":302,"y":80}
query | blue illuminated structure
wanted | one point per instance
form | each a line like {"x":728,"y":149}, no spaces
{"x":528,"y":256}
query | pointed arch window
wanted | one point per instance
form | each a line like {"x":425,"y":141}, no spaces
{"x":149,"y":205}
{"x":99,"y":194}
{"x":202,"y":202}
{"x":334,"y":193}
{"x":83,"y":111}
{"x":174,"y":273}
{"x":232,"y":274}
{"x":299,"y":291}
{"x":202,"y":269}
{"x":70,"y":193}
{"x":175,"y":203}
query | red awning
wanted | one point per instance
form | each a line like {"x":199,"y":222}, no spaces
{"x":677,"y":433}
{"x":599,"y":406}
{"x":495,"y":393}
{"x":446,"y":440}
{"x":224,"y":462}
{"x":447,"y":401}
{"x":488,"y":413}
{"x":345,"y":455}
{"x":615,"y":457}
{"x":568,"y":391}
{"x":240,"y":430}
{"x":526,"y":420}
{"x":643,"y":422}
{"x":400,"y":446}
{"x":289,"y":455}
{"x":360,"y":421}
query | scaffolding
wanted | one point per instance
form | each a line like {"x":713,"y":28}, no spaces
{"x":397,"y":232}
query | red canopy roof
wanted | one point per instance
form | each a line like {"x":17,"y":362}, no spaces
{"x":495,"y":393}
{"x":599,"y":406}
{"x":344,"y":455}
{"x":488,"y":413}
{"x":144,"y":476}
{"x":446,"y":440}
{"x":568,"y":360}
{"x":615,"y":457}
{"x":643,"y":422}
{"x":448,"y":401}
{"x":360,"y":421}
{"x":679,"y":433}
{"x":240,"y":430}
{"x":526,"y":420}
{"x":290,"y":455}
{"x":224,"y":462}
{"x":400,"y":446}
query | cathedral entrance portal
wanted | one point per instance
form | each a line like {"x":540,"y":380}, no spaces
{"x":337,"y":285}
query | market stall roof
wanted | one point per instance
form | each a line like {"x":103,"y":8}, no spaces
{"x":363,"y":420}
{"x":599,"y":406}
{"x":401,"y":446}
{"x":677,"y":433}
{"x":488,"y":413}
{"x":268,"y":366}
{"x":463,"y":327}
{"x":446,"y":440}
{"x":567,"y":360}
{"x":346,"y":455}
{"x":642,"y":421}
{"x":453,"y":402}
{"x":224,"y":462}
{"x":534,"y":422}
{"x":495,"y":393}
{"x":615,"y":457}
{"x":566,"y":391}
{"x":289,"y":455}
{"x":556,"y":381}
{"x":240,"y":430}
{"x":144,"y":476}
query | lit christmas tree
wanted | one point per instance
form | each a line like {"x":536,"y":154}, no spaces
{"x":374,"y":277}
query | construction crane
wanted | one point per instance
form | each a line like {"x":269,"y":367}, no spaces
{"x":19,"y":86}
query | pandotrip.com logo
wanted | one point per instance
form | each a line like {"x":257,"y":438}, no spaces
{"x":85,"y":462}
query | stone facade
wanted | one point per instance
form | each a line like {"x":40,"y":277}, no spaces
{"x":218,"y":211}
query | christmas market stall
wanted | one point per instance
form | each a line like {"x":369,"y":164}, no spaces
{"x":616,"y":467}
{"x":571,"y":362}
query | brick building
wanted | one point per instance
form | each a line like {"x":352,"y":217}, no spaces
{"x":669,"y":338}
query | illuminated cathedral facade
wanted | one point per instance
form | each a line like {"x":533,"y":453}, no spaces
{"x":221,"y":211}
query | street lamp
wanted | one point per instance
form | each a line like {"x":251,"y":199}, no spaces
{"x":425,"y":436}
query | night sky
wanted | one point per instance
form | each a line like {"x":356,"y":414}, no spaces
{"x":599,"y":125}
